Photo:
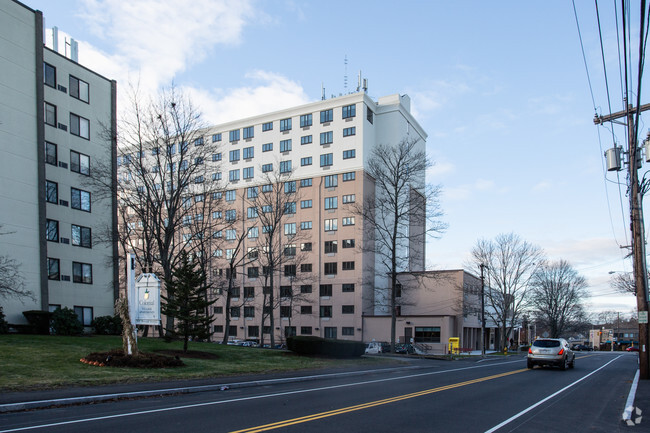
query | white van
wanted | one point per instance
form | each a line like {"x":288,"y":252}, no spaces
{"x":373,"y":348}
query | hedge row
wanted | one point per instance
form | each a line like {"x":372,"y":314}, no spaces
{"x":305,"y":345}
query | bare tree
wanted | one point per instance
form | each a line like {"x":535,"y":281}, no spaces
{"x":12,"y":283}
{"x":161,"y":172}
{"x":398,"y":215}
{"x":623,"y":282}
{"x":509,"y":264}
{"x":556,"y":295}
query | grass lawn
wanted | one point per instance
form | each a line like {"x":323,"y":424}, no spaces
{"x":43,"y":361}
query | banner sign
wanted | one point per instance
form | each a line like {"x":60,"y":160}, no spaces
{"x":147,"y":296}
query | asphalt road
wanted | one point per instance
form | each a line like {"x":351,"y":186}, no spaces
{"x":491,"y":395}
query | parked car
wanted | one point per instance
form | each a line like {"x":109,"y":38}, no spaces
{"x":552,"y":352}
{"x":632,"y":349}
{"x":581,"y":348}
{"x":373,"y":348}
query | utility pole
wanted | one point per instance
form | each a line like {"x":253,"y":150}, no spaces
{"x":482,"y":311}
{"x":638,"y":244}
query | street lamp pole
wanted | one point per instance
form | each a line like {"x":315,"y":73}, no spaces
{"x":482,"y":310}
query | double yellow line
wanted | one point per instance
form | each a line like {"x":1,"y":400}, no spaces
{"x":368,"y":405}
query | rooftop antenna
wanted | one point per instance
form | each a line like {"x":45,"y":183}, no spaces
{"x":345,"y":77}
{"x":322,"y":91}
{"x":359,"y":82}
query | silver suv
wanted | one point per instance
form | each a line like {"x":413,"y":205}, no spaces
{"x":551,"y":351}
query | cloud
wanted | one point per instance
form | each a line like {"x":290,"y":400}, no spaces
{"x":466,"y":191}
{"x":271,"y":92}
{"x":156,"y":40}
{"x":542,"y":186}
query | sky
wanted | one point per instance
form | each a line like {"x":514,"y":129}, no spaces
{"x":501,"y":88}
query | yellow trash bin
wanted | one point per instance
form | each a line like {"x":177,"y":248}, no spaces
{"x":454,"y":345}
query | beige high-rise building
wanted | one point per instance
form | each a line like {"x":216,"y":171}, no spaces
{"x":51,"y":114}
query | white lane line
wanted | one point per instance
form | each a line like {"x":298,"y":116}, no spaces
{"x":528,"y":409}
{"x":212,"y":403}
{"x":629,"y":404}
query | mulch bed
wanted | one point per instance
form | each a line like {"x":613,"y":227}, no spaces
{"x":117,"y":358}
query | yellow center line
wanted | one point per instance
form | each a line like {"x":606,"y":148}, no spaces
{"x":368,"y":405}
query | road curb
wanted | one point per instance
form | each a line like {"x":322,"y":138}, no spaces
{"x":41,"y":404}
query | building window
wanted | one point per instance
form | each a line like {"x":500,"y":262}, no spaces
{"x":429,"y":334}
{"x":79,"y":126}
{"x":267,"y":167}
{"x":248,"y":173}
{"x":267,"y":126}
{"x":305,"y":330}
{"x":305,"y":204}
{"x":252,"y":212}
{"x":326,"y":137}
{"x":290,"y":208}
{"x":216,"y":176}
{"x":331,"y":247}
{"x":348,"y":176}
{"x":326,"y":311}
{"x":234,"y":155}
{"x":249,"y":132}
{"x":349,"y":111}
{"x":253,"y":272}
{"x":231,"y":195}
{"x":79,"y":163}
{"x":217,"y":310}
{"x":232,"y":330}
{"x":49,"y":75}
{"x":348,"y":288}
{"x":81,"y":236}
{"x":235,"y":311}
{"x":286,"y":291}
{"x":289,"y":331}
{"x":326,"y":160}
{"x":305,"y":182}
{"x":82,"y":273}
{"x":305,"y":267}
{"x":51,"y":192}
{"x":347,"y":331}
{"x":233,"y":135}
{"x":52,"y":230}
{"x":331,"y":225}
{"x":347,"y":266}
{"x":50,"y":114}
{"x":305,"y":246}
{"x":330,"y":268}
{"x":348,"y":221}
{"x":267,"y":147}
{"x":79,"y":199}
{"x":231,"y":234}
{"x":79,"y":89}
{"x":216,"y":137}
{"x":305,"y":120}
{"x":84,"y":314}
{"x":249,"y":292}
{"x":305,"y":139}
{"x":285,"y":166}
{"x":285,"y":145}
{"x":305,"y":161}
{"x":305,"y":309}
{"x":51,"y":156}
{"x":253,"y":233}
{"x":347,"y":309}
{"x":231,"y":215}
{"x":348,"y":243}
{"x":216,"y":157}
{"x":305,"y":225}
{"x":290,"y":229}
{"x":233,"y":175}
{"x":349,"y":131}
{"x":199,"y":141}
{"x":349,"y":154}
{"x":326,"y":116}
{"x":53,"y":269}
{"x":285,"y":125}
{"x":369,"y":115}
{"x":290,"y":250}
{"x":290,"y":187}
{"x":331,"y":203}
{"x":252,"y":192}
{"x":305,"y":288}
{"x":249,"y":312}
{"x":348,"y":198}
{"x":331,"y":181}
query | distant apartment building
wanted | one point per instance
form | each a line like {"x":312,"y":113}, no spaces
{"x":53,"y":119}
{"x":317,"y":153}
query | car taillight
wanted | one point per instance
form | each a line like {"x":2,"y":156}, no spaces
{"x":530,"y":350}
{"x":561,"y":352}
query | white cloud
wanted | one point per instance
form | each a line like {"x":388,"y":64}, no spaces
{"x":463,"y":192}
{"x":542,"y":186}
{"x":271,"y":92}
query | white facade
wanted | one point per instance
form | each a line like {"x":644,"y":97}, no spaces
{"x":51,"y":114}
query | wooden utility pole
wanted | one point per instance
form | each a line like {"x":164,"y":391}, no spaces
{"x":482,"y":310}
{"x":636,"y":217}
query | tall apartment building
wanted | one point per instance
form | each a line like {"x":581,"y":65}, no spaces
{"x":319,"y":151}
{"x":51,"y":115}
